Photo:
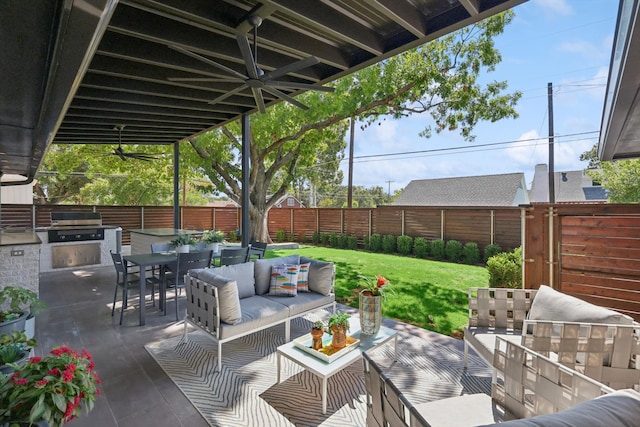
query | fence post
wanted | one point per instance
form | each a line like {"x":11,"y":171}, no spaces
{"x":142,"y":217}
{"x":341,"y":221}
{"x":291,"y":220}
{"x":442,"y":224}
{"x":370,"y":222}
{"x":493,"y":231}
{"x":402,"y":222}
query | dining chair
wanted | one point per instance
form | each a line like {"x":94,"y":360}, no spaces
{"x":155,"y":271}
{"x":185,"y":261}
{"x":257,"y":249}
{"x":133,"y":281}
{"x":234,"y":256}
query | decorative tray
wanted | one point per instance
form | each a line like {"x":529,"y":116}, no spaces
{"x":327,"y":354}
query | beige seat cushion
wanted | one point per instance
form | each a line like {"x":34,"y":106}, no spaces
{"x":460,"y":411}
{"x":483,"y":339}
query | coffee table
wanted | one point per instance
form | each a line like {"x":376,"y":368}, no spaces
{"x":325,"y":370}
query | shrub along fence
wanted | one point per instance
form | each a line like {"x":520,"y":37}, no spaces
{"x":482,"y":225}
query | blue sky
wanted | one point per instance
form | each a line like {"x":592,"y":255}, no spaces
{"x":564,"y":42}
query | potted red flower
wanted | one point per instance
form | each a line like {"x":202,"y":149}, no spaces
{"x":53,"y":388}
{"x":370,"y":303}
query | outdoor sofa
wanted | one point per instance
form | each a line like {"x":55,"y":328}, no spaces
{"x":528,"y":390}
{"x":233,"y":301}
{"x":600,"y":343}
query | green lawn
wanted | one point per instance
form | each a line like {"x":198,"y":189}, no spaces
{"x":429,"y":294}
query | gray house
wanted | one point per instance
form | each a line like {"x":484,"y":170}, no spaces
{"x":507,"y":189}
{"x":569,"y":186}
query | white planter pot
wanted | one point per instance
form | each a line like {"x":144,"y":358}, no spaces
{"x":30,"y":327}
{"x":215,"y":247}
{"x":182,"y":249}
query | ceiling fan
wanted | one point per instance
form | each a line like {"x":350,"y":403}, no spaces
{"x":255,"y":79}
{"x":124,"y":155}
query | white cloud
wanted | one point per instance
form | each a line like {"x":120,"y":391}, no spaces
{"x":555,"y":7}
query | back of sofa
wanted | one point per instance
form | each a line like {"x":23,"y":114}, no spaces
{"x":499,"y":307}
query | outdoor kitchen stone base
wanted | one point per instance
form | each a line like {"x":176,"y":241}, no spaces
{"x":103,"y":257}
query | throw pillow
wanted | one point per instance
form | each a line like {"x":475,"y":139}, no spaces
{"x":321,"y":276}
{"x":241,"y":273}
{"x":550,"y":304}
{"x":262,"y":270}
{"x":284,"y":280}
{"x":229,"y":302}
{"x":303,"y":277}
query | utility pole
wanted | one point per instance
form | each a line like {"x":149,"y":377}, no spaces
{"x":350,"y":184}
{"x":389,"y":191}
{"x":552,"y":184}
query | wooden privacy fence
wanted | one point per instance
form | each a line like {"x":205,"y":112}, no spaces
{"x":591,"y":251}
{"x":480,"y":225}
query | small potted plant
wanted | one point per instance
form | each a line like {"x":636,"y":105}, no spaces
{"x":183,"y":242}
{"x":22,"y":303}
{"x":53,"y":388}
{"x":317,"y":331}
{"x":14,"y":348}
{"x":213,"y":238}
{"x":338,"y":326}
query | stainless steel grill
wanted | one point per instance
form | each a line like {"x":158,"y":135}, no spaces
{"x":75,"y":227}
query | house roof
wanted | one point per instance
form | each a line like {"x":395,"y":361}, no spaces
{"x":485,"y":190}
{"x":74,"y":70}
{"x":569,"y":186}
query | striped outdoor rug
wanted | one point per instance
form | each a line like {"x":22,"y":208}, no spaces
{"x":245,"y":392}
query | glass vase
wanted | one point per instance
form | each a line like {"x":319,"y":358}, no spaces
{"x":370,"y":313}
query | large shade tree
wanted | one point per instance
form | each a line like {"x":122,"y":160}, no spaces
{"x":441,"y":78}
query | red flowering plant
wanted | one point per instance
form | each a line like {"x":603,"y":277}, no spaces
{"x":53,"y":388}
{"x":375,"y":288}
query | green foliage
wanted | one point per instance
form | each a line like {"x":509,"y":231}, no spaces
{"x":620,"y":178}
{"x":232,"y":236}
{"x":291,"y":237}
{"x":303,"y":238}
{"x":375,"y":242}
{"x":505,"y":269}
{"x":491,"y":250}
{"x":338,"y":320}
{"x":315,"y":238}
{"x":389,"y":244}
{"x":325,"y":238}
{"x":367,"y":243}
{"x":421,"y":247}
{"x":470,"y":253}
{"x":281,"y":236}
{"x":405,"y":244}
{"x":352,"y":242}
{"x":437,"y":249}
{"x":20,"y":299}
{"x":213,"y":236}
{"x":453,"y":250}
{"x":182,"y":240}
{"x":13,"y":346}
{"x":342,"y":241}
{"x":333,"y":240}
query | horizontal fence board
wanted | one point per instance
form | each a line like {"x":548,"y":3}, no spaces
{"x":619,"y":242}
{"x":599,"y":251}
{"x":304,"y":223}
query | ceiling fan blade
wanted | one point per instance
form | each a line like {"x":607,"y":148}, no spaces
{"x":228,"y":94}
{"x":247,"y":55}
{"x":286,"y":97}
{"x":208,"y":61}
{"x":257,"y":95}
{"x":205,"y":79}
{"x":304,"y":86}
{"x":291,"y":68}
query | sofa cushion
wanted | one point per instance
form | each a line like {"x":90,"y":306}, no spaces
{"x":243,"y":274}
{"x":303,"y":302}
{"x":257,"y":313}
{"x":620,"y":409}
{"x":483,"y":339}
{"x":303,"y":277}
{"x":459,"y":411}
{"x":284,"y":280}
{"x":321,"y":275}
{"x":230,"y":311}
{"x":262,"y":271}
{"x":550,"y":304}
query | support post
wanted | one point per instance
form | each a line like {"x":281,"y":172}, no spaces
{"x":245,"y":226}
{"x":176,"y":185}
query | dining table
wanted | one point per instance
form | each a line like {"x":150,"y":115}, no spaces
{"x":156,"y":259}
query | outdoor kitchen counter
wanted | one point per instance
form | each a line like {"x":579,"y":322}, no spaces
{"x":142,"y":238}
{"x":19,"y":237}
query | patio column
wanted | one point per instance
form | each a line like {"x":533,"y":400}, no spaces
{"x":176,"y":185}
{"x":244,"y":223}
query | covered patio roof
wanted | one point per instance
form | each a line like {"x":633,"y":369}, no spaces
{"x":73,"y":70}
{"x":620,"y":128}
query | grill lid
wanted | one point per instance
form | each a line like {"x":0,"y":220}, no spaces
{"x":70,"y":219}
